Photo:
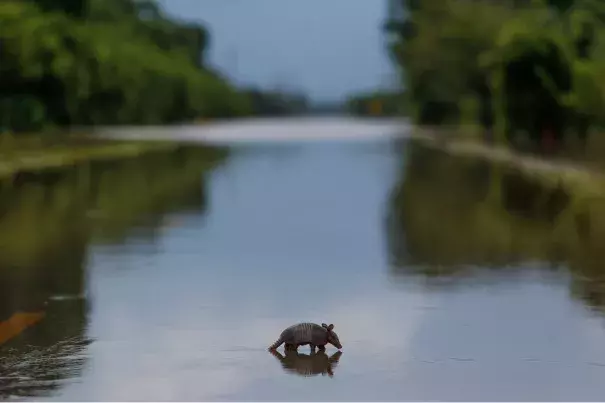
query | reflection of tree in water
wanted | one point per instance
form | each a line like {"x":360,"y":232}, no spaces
{"x":45,"y":230}
{"x":137,"y":194}
{"x":454,"y":221}
{"x":35,"y":362}
{"x":104,"y":200}
{"x":308,"y":364}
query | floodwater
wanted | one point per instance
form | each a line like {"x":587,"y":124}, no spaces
{"x":167,"y":277}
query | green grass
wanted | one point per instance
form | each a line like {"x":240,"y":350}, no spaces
{"x":35,"y":153}
{"x":576,"y":174}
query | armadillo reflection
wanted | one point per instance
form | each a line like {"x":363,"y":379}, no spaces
{"x":308,"y":365}
{"x":305,"y":333}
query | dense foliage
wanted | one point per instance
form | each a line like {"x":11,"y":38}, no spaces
{"x":520,"y":67}
{"x":89,"y":62}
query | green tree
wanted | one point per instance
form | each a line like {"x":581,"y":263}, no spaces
{"x":146,"y":69}
{"x":531,"y":67}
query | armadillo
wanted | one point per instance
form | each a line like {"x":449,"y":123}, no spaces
{"x":305,"y":333}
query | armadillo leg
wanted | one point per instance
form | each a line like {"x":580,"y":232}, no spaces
{"x":312,"y":347}
{"x":321,"y":348}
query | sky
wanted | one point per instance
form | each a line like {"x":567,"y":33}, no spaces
{"x":325,"y":48}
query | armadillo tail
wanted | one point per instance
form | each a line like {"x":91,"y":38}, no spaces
{"x":276,"y":344}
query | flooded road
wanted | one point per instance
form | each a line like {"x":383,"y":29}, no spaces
{"x":167,"y":277}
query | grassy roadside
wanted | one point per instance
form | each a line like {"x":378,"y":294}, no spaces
{"x":573,"y":175}
{"x":36,"y":153}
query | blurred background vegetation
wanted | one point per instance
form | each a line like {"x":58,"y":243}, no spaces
{"x":108,"y":62}
{"x":528,"y":71}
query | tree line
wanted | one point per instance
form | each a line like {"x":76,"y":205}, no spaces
{"x":104,"y":62}
{"x":377,"y":103}
{"x":522,"y":68}
{"x":277,"y":102}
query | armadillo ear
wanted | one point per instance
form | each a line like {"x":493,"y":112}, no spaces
{"x":324,"y":325}
{"x":330,"y":327}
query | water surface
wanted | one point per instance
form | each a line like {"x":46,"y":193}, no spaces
{"x":166,"y":278}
